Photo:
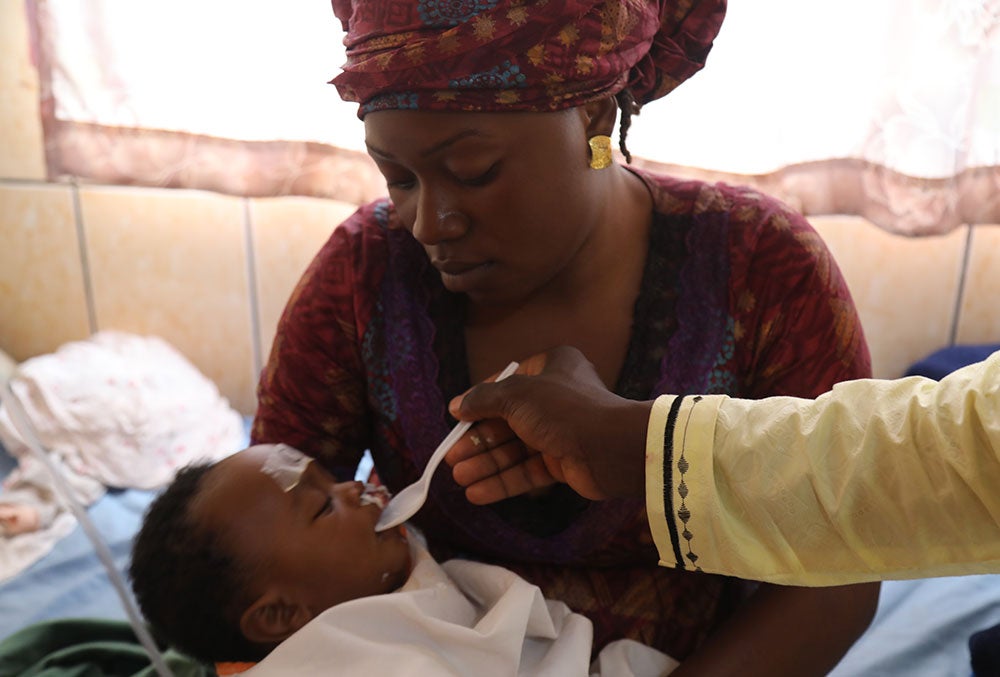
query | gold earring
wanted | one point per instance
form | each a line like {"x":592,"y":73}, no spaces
{"x":600,"y":151}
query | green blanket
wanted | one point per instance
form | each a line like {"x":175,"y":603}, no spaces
{"x":86,"y":647}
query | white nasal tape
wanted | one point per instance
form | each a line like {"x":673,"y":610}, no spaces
{"x":285,"y":466}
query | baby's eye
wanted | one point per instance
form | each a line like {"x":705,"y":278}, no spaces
{"x":324,"y":509}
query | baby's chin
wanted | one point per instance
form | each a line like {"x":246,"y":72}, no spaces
{"x":379,"y":497}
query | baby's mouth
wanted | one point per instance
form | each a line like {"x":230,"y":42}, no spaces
{"x":375,"y":495}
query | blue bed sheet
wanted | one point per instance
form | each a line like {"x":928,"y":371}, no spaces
{"x":942,"y":362}
{"x":70,"y":581}
{"x":922,"y":628}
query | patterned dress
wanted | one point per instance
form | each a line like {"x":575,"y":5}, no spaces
{"x":739,"y":296}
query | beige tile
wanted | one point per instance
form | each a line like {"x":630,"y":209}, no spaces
{"x":172,"y":263}
{"x":905,"y":288}
{"x":287,"y":233}
{"x":42,"y":295}
{"x":979,"y":312}
{"x":22,"y":155}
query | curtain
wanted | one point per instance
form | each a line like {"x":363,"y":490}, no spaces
{"x":889,"y":109}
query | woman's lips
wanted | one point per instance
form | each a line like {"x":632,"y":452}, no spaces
{"x":456,"y":267}
{"x":463,"y":276}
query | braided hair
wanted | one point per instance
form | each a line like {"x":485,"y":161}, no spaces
{"x":629,"y":107}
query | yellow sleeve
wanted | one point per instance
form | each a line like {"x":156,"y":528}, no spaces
{"x":873,"y":480}
{"x":689,"y":421}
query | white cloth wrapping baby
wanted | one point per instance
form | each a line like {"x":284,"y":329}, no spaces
{"x":458,"y":618}
{"x":116,"y":410}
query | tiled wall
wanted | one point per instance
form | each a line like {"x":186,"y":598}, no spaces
{"x":916,"y":295}
{"x":210,"y":273}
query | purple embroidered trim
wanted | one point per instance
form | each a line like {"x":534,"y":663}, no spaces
{"x":409,"y":349}
{"x":702,"y":301}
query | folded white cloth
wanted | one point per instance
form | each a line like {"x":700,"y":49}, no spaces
{"x":460,"y":618}
{"x":116,"y":410}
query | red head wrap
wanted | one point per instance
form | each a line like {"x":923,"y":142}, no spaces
{"x":528,"y":55}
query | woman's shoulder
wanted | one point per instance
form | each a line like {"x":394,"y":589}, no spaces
{"x":368,"y":233}
{"x":695,"y":197}
{"x":750,"y":216}
{"x":370,"y":221}
{"x":353,"y":257}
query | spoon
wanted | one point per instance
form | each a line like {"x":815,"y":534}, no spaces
{"x":407,"y":502}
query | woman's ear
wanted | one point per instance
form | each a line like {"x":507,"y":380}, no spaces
{"x":600,"y":116}
{"x":273,"y":617}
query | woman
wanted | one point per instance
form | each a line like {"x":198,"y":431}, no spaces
{"x":507,"y":232}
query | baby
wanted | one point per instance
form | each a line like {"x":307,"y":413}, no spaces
{"x":265,"y":558}
{"x":233,"y":557}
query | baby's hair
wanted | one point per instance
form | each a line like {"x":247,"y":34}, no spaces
{"x":189,"y":589}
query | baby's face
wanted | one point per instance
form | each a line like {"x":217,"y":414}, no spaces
{"x":304,"y":528}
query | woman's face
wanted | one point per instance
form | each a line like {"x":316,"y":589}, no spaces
{"x":503,"y":203}
{"x":318,"y":536}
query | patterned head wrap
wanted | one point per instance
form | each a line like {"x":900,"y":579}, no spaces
{"x":519,"y":55}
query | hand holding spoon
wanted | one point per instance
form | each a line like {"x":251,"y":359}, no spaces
{"x":407,"y":502}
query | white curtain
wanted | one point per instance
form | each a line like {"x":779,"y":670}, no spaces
{"x":885,"y":108}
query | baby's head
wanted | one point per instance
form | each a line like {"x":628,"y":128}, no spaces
{"x":234,"y":557}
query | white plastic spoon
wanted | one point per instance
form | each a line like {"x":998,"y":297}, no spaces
{"x":407,"y":502}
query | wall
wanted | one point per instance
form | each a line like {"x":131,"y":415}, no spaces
{"x":210,"y":273}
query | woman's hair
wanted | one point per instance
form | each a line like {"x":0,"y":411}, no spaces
{"x":629,"y":107}
{"x":188,"y":587}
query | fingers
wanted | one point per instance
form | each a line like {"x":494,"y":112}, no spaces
{"x":518,"y":479}
{"x":505,"y":469}
{"x":491,"y":461}
{"x":482,"y":437}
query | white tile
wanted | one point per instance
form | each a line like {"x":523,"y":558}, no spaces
{"x":979,"y":313}
{"x":172,"y":263}
{"x":905,"y":289}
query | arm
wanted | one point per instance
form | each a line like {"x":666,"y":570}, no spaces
{"x":876,"y":479}
{"x":795,"y":332}
{"x":916,"y":456}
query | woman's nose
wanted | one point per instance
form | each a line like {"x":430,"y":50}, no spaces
{"x":436,"y":221}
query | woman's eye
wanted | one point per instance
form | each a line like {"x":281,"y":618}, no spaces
{"x":324,"y":509}
{"x":406,"y":184}
{"x":397,"y":178}
{"x":482,"y":178}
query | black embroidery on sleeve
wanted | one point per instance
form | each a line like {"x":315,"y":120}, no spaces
{"x":668,"y":475}
{"x":682,"y":490}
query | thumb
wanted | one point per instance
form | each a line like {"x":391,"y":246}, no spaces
{"x":482,"y":401}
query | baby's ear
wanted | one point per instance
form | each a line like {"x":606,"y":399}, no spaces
{"x":273,"y":617}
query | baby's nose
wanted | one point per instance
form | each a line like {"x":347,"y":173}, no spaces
{"x":349,"y":490}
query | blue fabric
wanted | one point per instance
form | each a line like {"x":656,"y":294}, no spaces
{"x":70,"y":582}
{"x":942,"y":362}
{"x":922,"y":627}
{"x":984,"y":646}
